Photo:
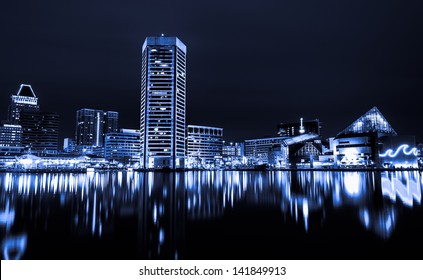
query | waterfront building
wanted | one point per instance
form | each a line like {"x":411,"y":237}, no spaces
{"x":298,"y":128}
{"x":357,"y":145}
{"x":233,"y":154}
{"x":24,"y":100}
{"x":10,"y":139}
{"x":233,"y":149}
{"x":305,"y":153}
{"x":92,"y":125}
{"x":123,"y":146}
{"x":262,"y":151}
{"x":163,"y":102}
{"x":371,"y":141}
{"x":257,"y":150}
{"x":40,"y":132}
{"x":204,"y":145}
{"x":278,"y":156}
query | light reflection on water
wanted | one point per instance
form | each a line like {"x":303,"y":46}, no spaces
{"x":161,"y":204}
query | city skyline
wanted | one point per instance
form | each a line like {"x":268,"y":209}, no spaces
{"x":338,"y":59}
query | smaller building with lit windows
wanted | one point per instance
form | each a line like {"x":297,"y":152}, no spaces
{"x":204,"y":146}
{"x":257,"y":151}
{"x":10,"y":139}
{"x":123,"y":146}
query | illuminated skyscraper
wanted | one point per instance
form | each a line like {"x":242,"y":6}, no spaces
{"x":92,"y":125}
{"x":24,"y":100}
{"x":39,"y":130}
{"x":163,"y":92}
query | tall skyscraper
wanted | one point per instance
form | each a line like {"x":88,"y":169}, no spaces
{"x":92,"y":125}
{"x":24,"y":100}
{"x":39,"y":129}
{"x":163,"y":97}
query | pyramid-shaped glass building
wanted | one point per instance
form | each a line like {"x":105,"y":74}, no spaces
{"x":372,"y":121}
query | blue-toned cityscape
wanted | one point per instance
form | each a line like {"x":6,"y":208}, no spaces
{"x":168,"y":189}
{"x":29,"y":137}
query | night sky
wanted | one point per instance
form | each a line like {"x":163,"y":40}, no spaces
{"x":251,"y":64}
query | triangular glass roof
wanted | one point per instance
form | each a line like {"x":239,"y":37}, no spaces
{"x":372,"y":121}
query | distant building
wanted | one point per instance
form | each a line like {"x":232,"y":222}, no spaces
{"x":92,"y":125}
{"x":278,"y":156}
{"x":10,"y":139}
{"x":257,"y":150}
{"x":40,"y":132}
{"x":24,"y":100}
{"x":123,"y":146}
{"x":69,"y":145}
{"x":163,"y":101}
{"x":305,"y":152}
{"x":277,"y":150}
{"x":233,"y":150}
{"x":298,"y":128}
{"x":204,"y":144}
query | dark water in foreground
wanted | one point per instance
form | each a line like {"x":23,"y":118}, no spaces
{"x":212,"y":215}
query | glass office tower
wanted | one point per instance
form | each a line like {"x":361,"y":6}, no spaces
{"x":92,"y":125}
{"x":163,"y":92}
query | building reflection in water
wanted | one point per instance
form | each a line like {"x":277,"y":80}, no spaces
{"x":94,"y":204}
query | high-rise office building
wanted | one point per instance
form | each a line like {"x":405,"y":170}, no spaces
{"x":163,"y":93}
{"x":24,"y":100}
{"x":40,"y":132}
{"x":37,"y":131}
{"x":92,"y":126}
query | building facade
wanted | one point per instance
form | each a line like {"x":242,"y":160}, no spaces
{"x":370,"y":141}
{"x":233,"y":150}
{"x":24,"y":100}
{"x":298,"y":128}
{"x":10,"y":139}
{"x":92,"y":125}
{"x":40,"y":132}
{"x":123,"y":146}
{"x":257,"y":151}
{"x":69,"y":145}
{"x":204,"y":145}
{"x":163,"y":102}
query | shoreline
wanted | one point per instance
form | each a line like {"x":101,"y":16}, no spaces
{"x":99,"y":170}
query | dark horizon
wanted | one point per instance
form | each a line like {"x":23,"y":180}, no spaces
{"x":250,"y":66}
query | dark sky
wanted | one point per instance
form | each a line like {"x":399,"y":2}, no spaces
{"x":251,"y":64}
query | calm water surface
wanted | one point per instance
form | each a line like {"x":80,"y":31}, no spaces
{"x":212,"y":215}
